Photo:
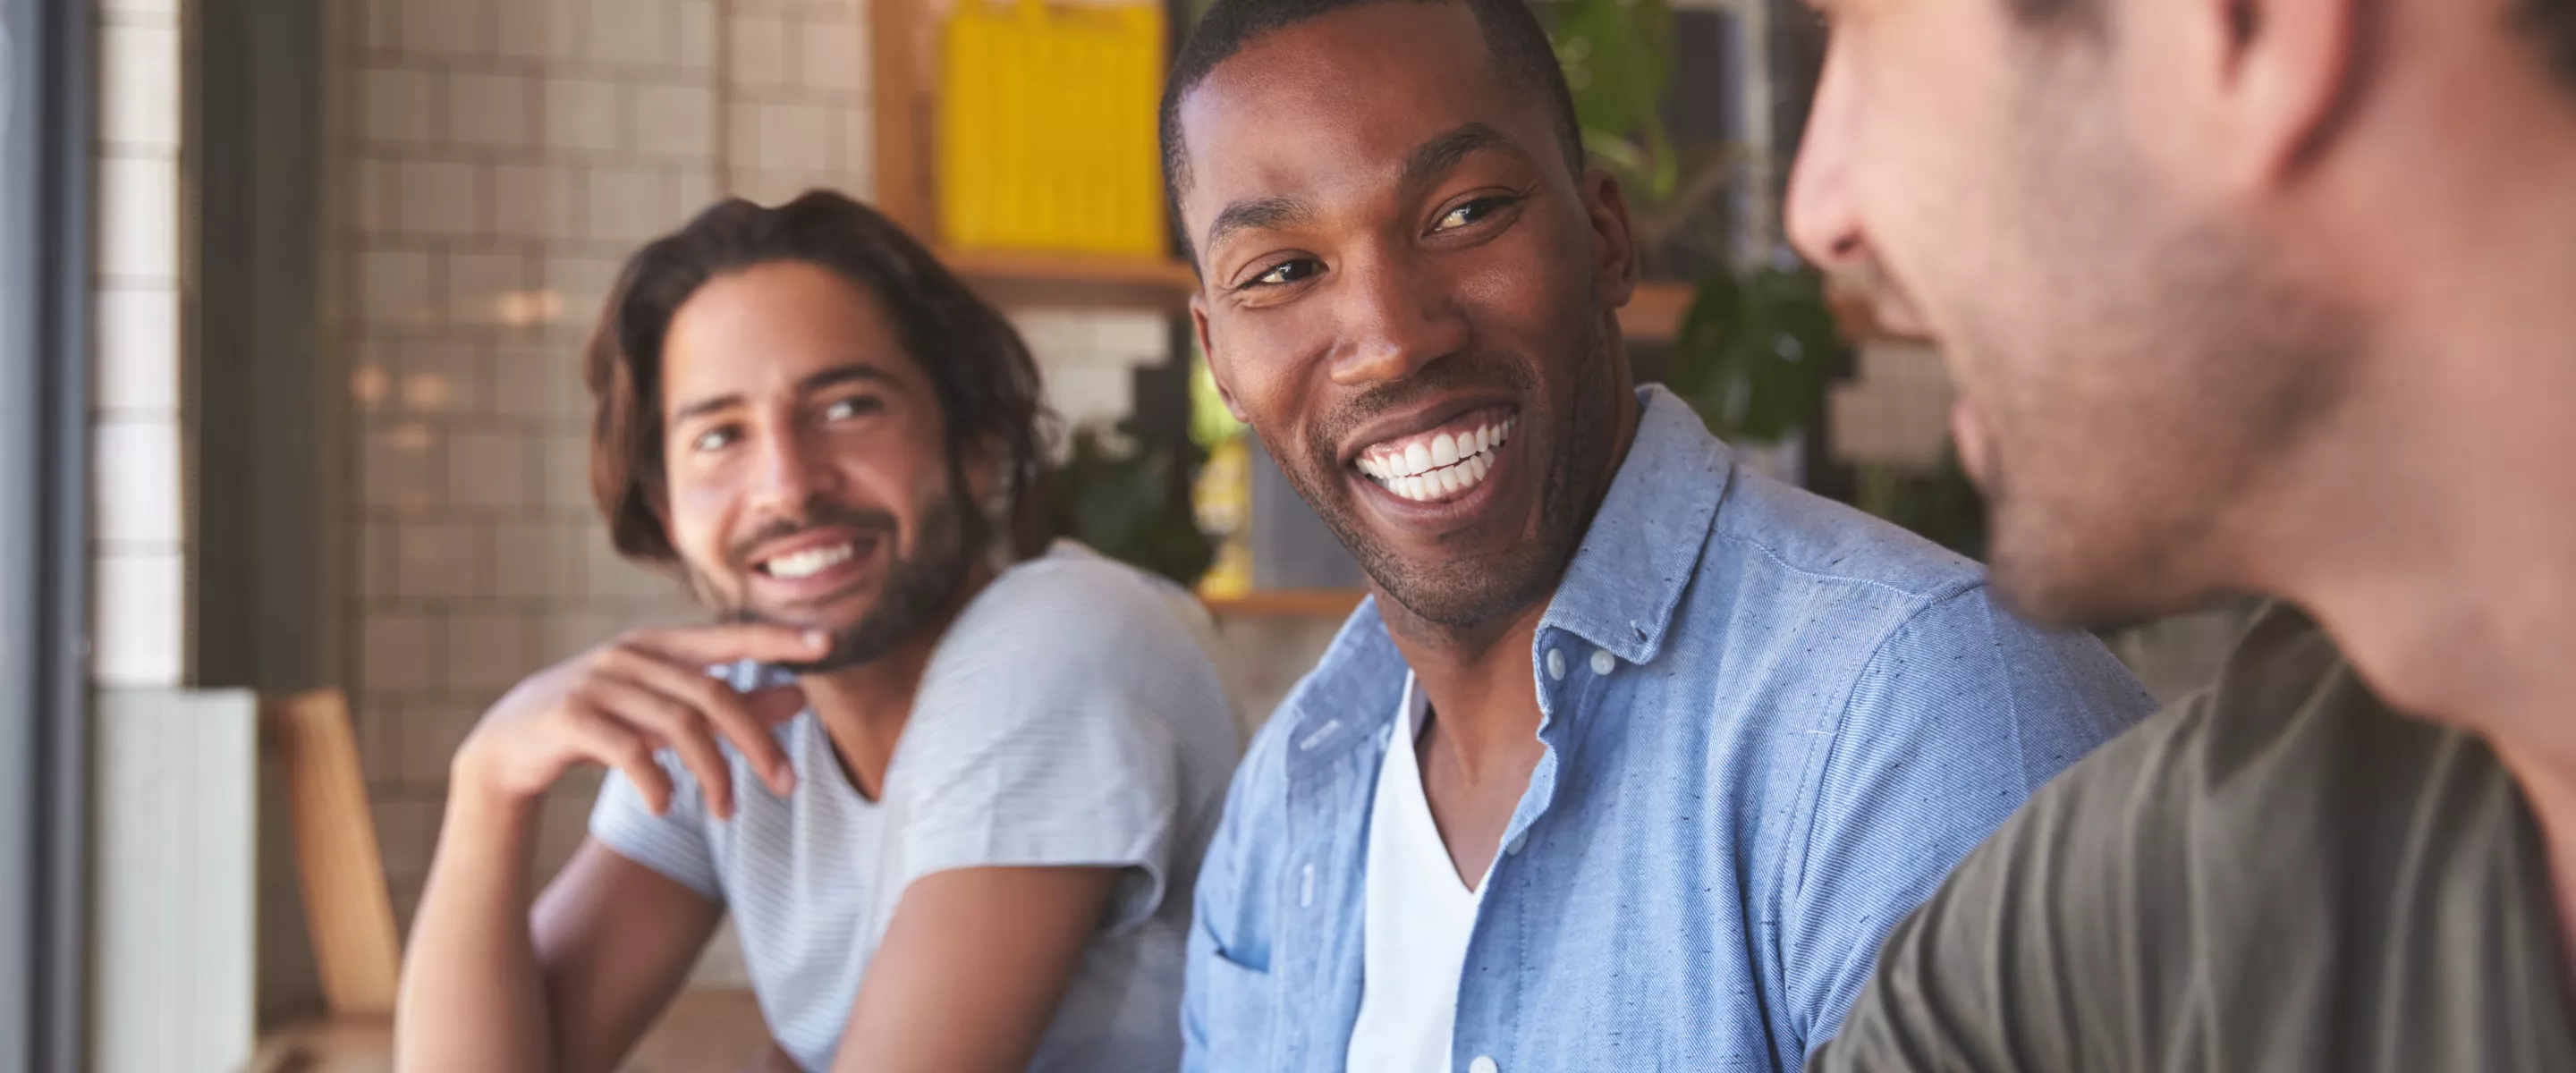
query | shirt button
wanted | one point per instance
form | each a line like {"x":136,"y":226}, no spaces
{"x":1603,"y":662}
{"x":1556,"y":664}
{"x":1483,"y":1064}
{"x":1518,"y":840}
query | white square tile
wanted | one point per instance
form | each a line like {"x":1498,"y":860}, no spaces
{"x":531,"y":382}
{"x":440,"y":197}
{"x":859,"y":148}
{"x":532,"y":201}
{"x":397,"y":103}
{"x":566,"y":465}
{"x":581,"y":285}
{"x":138,"y":349}
{"x":486,"y":288}
{"x":531,"y":560}
{"x":400,"y":651}
{"x":406,"y":829}
{"x":1083,"y":395}
{"x":394,"y":286}
{"x":742,"y":137}
{"x":693,"y":191}
{"x":488,"y":652}
{"x":379,"y":554}
{"x":569,"y":630}
{"x":138,"y":87}
{"x":628,"y":205}
{"x":1130,"y":338}
{"x":607,"y":576}
{"x":439,"y":380}
{"x":140,"y":636}
{"x":375,"y":196}
{"x":796,"y":137}
{"x":145,"y":9}
{"x":832,"y":58}
{"x":372,"y":375}
{"x":443,"y":28}
{"x":138,"y":218}
{"x":534,"y":29}
{"x":675,"y":121}
{"x":583,"y":115}
{"x":442,"y":560}
{"x":490,"y":109}
{"x":631,"y":32}
{"x":378,"y":729}
{"x":758,"y":51}
{"x":487,"y":469}
{"x":137,"y":491}
{"x":695,"y":45}
{"x":402,"y":467}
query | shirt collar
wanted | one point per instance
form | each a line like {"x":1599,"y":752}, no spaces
{"x":1619,"y":592}
{"x":1638,"y":558}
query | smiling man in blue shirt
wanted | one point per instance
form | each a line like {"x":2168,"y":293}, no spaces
{"x":1634,"y":756}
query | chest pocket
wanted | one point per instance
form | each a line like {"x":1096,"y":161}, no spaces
{"x":1240,"y":1008}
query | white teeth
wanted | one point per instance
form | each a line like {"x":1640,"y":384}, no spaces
{"x":1443,"y":465}
{"x":809,"y":562}
{"x":1417,"y":458}
{"x":1444,"y":450}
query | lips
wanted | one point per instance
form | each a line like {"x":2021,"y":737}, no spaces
{"x":1439,"y":463}
{"x":810,"y":555}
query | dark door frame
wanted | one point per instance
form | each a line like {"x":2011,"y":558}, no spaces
{"x":45,"y":214}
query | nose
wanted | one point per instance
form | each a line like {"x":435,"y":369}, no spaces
{"x":1397,"y":317}
{"x":788,"y":472}
{"x":1823,"y":220}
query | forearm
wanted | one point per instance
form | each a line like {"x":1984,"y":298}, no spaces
{"x":473,"y":997}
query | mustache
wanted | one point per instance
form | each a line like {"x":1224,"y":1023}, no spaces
{"x":818,"y":514}
{"x":1457,"y":373}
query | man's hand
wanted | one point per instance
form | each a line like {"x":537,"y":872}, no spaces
{"x":616,"y":704}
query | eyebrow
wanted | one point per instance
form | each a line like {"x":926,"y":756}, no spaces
{"x":853,"y":372}
{"x":1425,"y":163}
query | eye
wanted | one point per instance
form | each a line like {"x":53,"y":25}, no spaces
{"x":1473,"y":211}
{"x":715,"y":439}
{"x":852,"y":407}
{"x":1284,"y":273}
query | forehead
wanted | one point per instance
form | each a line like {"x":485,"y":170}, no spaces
{"x":1343,"y":98}
{"x":767,"y":326}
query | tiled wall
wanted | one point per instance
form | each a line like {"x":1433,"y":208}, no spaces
{"x":139,"y":498}
{"x":499,"y":158}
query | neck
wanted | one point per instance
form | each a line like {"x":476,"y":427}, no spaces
{"x":863,"y":708}
{"x":2432,"y":529}
{"x":1478,"y":678}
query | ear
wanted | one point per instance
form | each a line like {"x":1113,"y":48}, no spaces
{"x":2277,"y":78}
{"x":1614,"y":241}
{"x":1216,"y":369}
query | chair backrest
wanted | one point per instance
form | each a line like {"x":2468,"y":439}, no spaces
{"x":346,"y":909}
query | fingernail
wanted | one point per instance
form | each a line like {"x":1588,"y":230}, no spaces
{"x":786,"y":780}
{"x":817,"y":639}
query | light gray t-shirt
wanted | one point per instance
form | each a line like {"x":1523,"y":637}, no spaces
{"x":1070,"y":717}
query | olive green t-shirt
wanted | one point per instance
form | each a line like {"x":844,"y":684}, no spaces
{"x":2278,"y":874}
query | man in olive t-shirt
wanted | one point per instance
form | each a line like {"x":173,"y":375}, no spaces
{"x":2267,"y":296}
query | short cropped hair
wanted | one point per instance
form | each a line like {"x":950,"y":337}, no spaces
{"x":986,"y":383}
{"x":1518,"y":47}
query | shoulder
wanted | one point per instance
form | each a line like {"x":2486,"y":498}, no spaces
{"x":1072,"y":610}
{"x":1784,"y":535}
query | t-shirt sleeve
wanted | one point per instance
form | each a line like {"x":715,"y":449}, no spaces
{"x":673,"y":844}
{"x":1961,"y":713}
{"x":1045,"y":733}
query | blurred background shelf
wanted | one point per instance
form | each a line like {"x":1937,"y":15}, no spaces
{"x":1654,"y":313}
{"x":1075,"y":280}
{"x":1287,"y":603}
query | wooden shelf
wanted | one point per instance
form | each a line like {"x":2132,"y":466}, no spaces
{"x":1654,"y":313}
{"x":1288,"y":603}
{"x":1015,"y":279}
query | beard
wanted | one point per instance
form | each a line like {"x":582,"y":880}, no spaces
{"x":921,"y":587}
{"x":1488,"y":575}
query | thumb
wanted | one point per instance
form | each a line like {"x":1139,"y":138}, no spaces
{"x":775,"y":704}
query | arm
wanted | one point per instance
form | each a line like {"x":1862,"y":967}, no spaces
{"x":490,"y":986}
{"x":1961,"y":713}
{"x":971,"y":968}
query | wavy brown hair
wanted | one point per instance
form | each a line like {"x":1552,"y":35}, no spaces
{"x":979,"y":368}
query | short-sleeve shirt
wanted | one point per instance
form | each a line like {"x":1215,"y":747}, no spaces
{"x":2278,"y":874}
{"x":1071,"y":716}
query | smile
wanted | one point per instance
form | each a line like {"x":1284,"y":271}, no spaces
{"x":807,"y":561}
{"x":1443,"y":463}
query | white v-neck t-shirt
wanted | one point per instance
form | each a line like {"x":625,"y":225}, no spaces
{"x":1419,"y":918}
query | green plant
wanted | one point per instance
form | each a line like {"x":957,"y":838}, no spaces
{"x":1130,"y":502}
{"x":1618,"y":61}
{"x":1754,"y":355}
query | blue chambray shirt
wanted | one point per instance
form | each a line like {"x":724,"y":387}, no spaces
{"x":1772,"y":725}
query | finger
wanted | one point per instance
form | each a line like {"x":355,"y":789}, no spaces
{"x":775,"y":704}
{"x":724,"y":710}
{"x":706,"y":645}
{"x":610,"y":742}
{"x":677,"y":724}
